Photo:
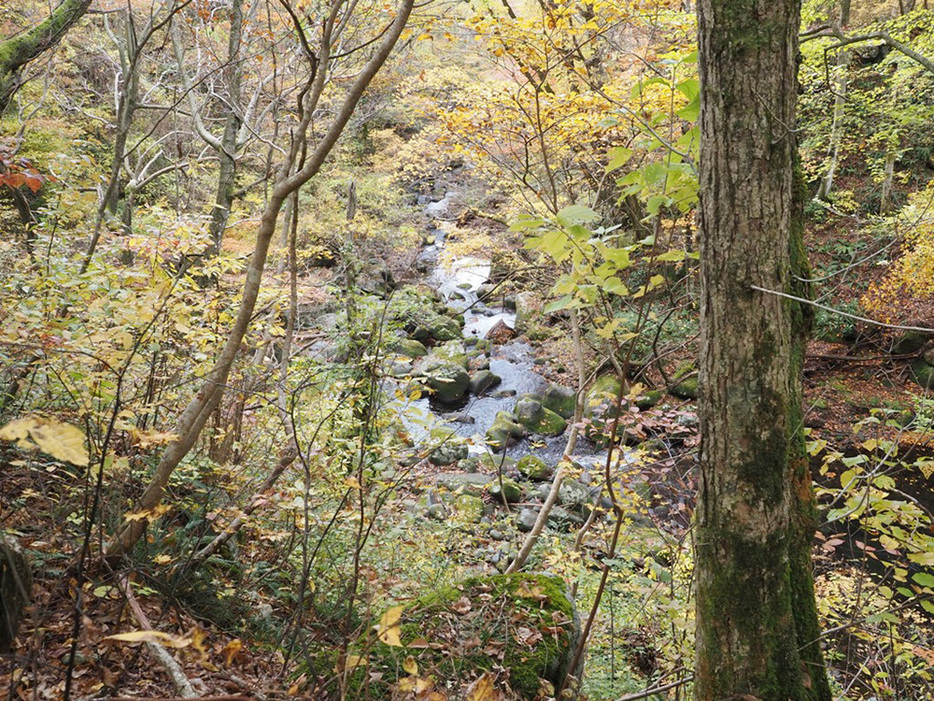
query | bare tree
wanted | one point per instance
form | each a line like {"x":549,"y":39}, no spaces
{"x":201,"y":406}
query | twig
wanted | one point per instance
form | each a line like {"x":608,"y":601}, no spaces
{"x":656,"y":690}
{"x":898,"y":327}
{"x":174,"y":670}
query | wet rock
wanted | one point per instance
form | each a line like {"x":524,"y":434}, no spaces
{"x":448,"y":381}
{"x":561,"y":400}
{"x":500,"y":332}
{"x":504,"y":393}
{"x":459,"y":417}
{"x":505,"y":489}
{"x":505,"y":431}
{"x":439,"y":209}
{"x":483,"y":381}
{"x":534,"y":468}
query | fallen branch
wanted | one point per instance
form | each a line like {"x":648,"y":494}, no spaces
{"x":162,"y":656}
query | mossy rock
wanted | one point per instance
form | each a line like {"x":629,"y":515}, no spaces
{"x":408,"y":347}
{"x":449,"y":381}
{"x":450,"y":447}
{"x":537,"y":419}
{"x":510,"y":490}
{"x":484,"y":380}
{"x":534,"y":468}
{"x":505,"y":431}
{"x":467,"y":508}
{"x":648,"y":399}
{"x":909,"y":342}
{"x":685,"y":389}
{"x":452,"y":352}
{"x":561,"y":400}
{"x":526,"y":625}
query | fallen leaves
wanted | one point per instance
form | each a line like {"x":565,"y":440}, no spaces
{"x":60,"y":440}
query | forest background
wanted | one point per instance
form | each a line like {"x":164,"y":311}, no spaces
{"x":215,"y":216}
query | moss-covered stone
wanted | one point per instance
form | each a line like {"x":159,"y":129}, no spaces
{"x":534,"y":468}
{"x":468,"y":508}
{"x":449,"y":381}
{"x":561,"y":400}
{"x":452,"y":352}
{"x":408,"y":347}
{"x":922,"y":373}
{"x":505,"y":431}
{"x":450,"y":447}
{"x":505,"y":489}
{"x":537,"y":419}
{"x":685,"y":389}
{"x":484,"y":380}
{"x":508,"y":612}
{"x":648,"y":399}
{"x":909,"y":342}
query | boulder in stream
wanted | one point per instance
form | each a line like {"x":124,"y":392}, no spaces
{"x":505,"y":488}
{"x":536,"y":418}
{"x":484,"y":380}
{"x":448,"y":381}
{"x":561,"y":400}
{"x":534,"y":468}
{"x":505,"y":431}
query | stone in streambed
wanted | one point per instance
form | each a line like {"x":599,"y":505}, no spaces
{"x":537,"y":419}
{"x":505,"y":431}
{"x":534,"y":468}
{"x":561,"y":400}
{"x":484,"y":380}
{"x":505,"y":489}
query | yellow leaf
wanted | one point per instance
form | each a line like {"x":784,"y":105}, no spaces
{"x":60,"y":440}
{"x":354,"y":661}
{"x":230,"y":651}
{"x":483,"y":690}
{"x":151,"y":636}
{"x":410,"y":665}
{"x":162,"y":559}
{"x":389,"y":627}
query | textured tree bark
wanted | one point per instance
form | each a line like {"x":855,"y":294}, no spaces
{"x":20,"y":50}
{"x":754,"y":590}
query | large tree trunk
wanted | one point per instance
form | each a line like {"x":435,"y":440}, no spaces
{"x":752,"y":543}
{"x":20,"y":50}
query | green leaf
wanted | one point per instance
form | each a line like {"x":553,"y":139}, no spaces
{"x":671,"y":257}
{"x":639,"y":87}
{"x":924,"y":579}
{"x":554,"y":243}
{"x":557,"y":305}
{"x":655,"y":203}
{"x":576,"y":214}
{"x":525,"y":223}
{"x":928,"y":606}
{"x":690,"y":88}
{"x":619,"y":156}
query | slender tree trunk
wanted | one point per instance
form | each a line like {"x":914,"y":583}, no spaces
{"x":20,"y":50}
{"x":836,"y":128}
{"x":228,"y":150}
{"x":753,"y":573}
{"x":203,"y":404}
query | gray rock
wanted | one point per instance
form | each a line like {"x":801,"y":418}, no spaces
{"x":537,"y":419}
{"x":451,"y":448}
{"x":484,"y":380}
{"x":473,"y":484}
{"x":526,"y":518}
{"x":447,"y":380}
{"x":528,"y":310}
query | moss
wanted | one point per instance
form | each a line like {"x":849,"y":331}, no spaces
{"x":497,"y":611}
